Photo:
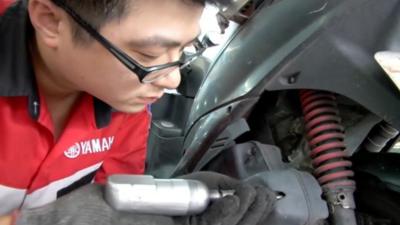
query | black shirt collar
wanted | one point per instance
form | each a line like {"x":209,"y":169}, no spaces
{"x":16,"y":72}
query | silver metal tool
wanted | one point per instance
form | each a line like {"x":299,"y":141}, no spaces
{"x":173,"y":197}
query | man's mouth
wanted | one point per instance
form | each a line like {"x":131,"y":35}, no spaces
{"x":148,"y":100}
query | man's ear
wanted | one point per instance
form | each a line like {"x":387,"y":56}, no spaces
{"x":46,"y":18}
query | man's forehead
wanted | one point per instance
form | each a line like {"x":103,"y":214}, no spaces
{"x":162,"y":41}
{"x":169,"y":25}
{"x":187,"y":2}
{"x":139,"y":5}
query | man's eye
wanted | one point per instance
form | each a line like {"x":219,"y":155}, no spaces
{"x":149,"y":57}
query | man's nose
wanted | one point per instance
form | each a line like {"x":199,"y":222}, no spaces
{"x":171,"y":81}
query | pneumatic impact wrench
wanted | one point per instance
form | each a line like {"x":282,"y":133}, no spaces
{"x":173,"y":197}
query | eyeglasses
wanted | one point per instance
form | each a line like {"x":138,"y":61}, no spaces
{"x":145,"y":74}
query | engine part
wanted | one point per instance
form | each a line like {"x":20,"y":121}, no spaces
{"x":379,"y":137}
{"x":300,"y":201}
{"x":223,"y":142}
{"x":144,"y":194}
{"x":357,"y":133}
{"x":245,"y":160}
{"x":325,"y":137}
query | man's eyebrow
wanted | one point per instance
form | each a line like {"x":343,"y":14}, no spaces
{"x":159,"y":41}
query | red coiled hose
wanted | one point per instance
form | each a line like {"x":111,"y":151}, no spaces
{"x":325,"y":136}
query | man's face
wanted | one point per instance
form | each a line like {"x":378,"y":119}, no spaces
{"x":153,"y":32}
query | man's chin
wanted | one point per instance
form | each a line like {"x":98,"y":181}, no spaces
{"x":131,"y":108}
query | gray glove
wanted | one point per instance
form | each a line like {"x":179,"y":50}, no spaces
{"x":86,"y":206}
{"x":249,"y":206}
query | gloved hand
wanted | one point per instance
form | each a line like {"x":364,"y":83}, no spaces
{"x":86,"y":206}
{"x":249,"y":206}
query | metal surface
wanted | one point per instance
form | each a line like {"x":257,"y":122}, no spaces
{"x":144,"y":194}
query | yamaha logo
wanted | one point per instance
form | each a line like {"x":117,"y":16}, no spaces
{"x":92,"y":146}
{"x":73,"y":151}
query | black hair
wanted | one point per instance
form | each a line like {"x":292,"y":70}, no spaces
{"x":99,"y":12}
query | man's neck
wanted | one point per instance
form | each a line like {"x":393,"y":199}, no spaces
{"x":60,"y":99}
{"x":51,"y":85}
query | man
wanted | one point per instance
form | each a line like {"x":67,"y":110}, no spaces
{"x":75,"y":79}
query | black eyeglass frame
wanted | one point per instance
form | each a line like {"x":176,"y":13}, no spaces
{"x":140,"y":70}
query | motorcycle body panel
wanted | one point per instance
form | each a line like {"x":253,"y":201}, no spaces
{"x":310,"y":44}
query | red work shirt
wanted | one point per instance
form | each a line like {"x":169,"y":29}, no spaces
{"x":4,"y":4}
{"x":96,"y":141}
